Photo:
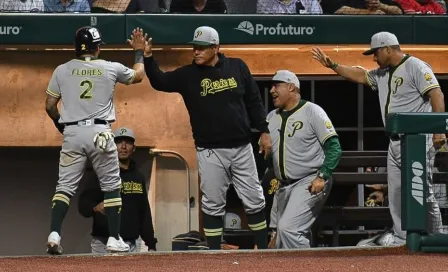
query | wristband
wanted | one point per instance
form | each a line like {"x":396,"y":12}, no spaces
{"x":334,"y":65}
{"x":138,"y":56}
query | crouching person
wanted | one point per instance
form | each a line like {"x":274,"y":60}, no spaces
{"x":136,"y":219}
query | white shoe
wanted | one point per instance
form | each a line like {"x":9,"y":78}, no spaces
{"x":114,"y":245}
{"x":54,"y":244}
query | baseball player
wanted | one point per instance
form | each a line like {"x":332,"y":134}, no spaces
{"x":305,"y":151}
{"x":222,"y":99}
{"x":85,"y":86}
{"x":136,"y":219}
{"x":404,"y":84}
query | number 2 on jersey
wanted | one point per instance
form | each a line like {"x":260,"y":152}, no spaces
{"x":87,"y":86}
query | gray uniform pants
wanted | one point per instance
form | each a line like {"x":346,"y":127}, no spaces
{"x":221,"y":166}
{"x":77,"y":148}
{"x":98,"y":245}
{"x":294,"y":211}
{"x":394,"y":187}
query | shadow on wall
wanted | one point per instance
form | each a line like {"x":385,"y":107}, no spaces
{"x":29,"y":178}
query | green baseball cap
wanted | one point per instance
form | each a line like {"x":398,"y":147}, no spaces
{"x":205,"y":35}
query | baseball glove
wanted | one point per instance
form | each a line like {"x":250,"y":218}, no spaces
{"x":101,"y":139}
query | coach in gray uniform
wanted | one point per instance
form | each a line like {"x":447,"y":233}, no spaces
{"x":404,"y":84}
{"x":305,"y":151}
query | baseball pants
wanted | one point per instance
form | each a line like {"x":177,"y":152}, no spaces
{"x":221,"y":166}
{"x":98,"y":245}
{"x":394,"y":187}
{"x":77,"y":148}
{"x":294,"y":211}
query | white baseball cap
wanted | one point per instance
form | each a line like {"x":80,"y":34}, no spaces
{"x":124,"y":132}
{"x":379,"y":40}
{"x":232,"y":221}
{"x":205,"y":35}
{"x":287,"y":77}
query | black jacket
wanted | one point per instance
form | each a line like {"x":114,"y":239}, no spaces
{"x":136,"y":219}
{"x":222,"y":100}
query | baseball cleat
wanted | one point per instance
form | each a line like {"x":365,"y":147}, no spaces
{"x":54,"y":244}
{"x":114,"y":245}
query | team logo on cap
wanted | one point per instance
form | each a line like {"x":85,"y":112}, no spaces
{"x":234,"y":221}
{"x":123,"y":131}
{"x":199,"y":33}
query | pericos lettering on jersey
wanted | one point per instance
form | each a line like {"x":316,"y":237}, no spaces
{"x":212,"y":87}
{"x":87,"y":72}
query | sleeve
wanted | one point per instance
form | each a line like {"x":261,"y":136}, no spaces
{"x":53,"y":88}
{"x":371,"y":76}
{"x":146,"y":227}
{"x":85,"y":7}
{"x":89,"y":198}
{"x":223,"y":7}
{"x":163,"y":81}
{"x":174,"y":6}
{"x":333,"y":151}
{"x":423,"y":77}
{"x":322,"y":125}
{"x":125,"y":75}
{"x":252,"y":99}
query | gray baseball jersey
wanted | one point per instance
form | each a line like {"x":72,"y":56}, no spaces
{"x":402,"y":88}
{"x":87,"y":88}
{"x":297,"y":138}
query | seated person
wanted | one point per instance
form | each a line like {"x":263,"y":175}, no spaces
{"x":136,"y":219}
{"x":75,"y":6}
{"x":289,"y":6}
{"x":127,"y":6}
{"x":421,"y":7}
{"x":361,"y":7}
{"x":198,"y":6}
{"x":21,"y":5}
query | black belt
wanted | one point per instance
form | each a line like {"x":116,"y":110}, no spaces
{"x":95,"y":121}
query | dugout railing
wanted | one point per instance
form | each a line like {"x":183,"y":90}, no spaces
{"x":362,"y":220}
{"x":411,"y":130}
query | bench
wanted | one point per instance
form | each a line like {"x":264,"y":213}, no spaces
{"x":336,"y":216}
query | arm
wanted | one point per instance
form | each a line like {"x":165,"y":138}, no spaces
{"x":354,"y":11}
{"x":51,"y":102}
{"x":146,"y":227}
{"x":222,"y":7}
{"x":354,"y":74}
{"x":333,"y":152}
{"x":437,"y":100}
{"x":252,"y":99}
{"x":162,"y":81}
{"x":328,"y":138}
{"x":390,"y":9}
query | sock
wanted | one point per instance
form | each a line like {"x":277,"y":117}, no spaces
{"x":60,"y":204}
{"x":257,"y":223}
{"x":112,"y":208}
{"x":213,"y":228}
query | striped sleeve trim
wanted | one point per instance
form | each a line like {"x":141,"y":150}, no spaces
{"x":366,"y":74}
{"x":134,"y":73}
{"x":56,"y":95}
{"x":329,"y":136}
{"x":430,"y":87}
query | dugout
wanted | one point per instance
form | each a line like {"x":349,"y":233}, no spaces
{"x":160,"y":120}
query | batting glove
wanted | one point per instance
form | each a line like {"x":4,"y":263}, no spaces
{"x":101,"y":139}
